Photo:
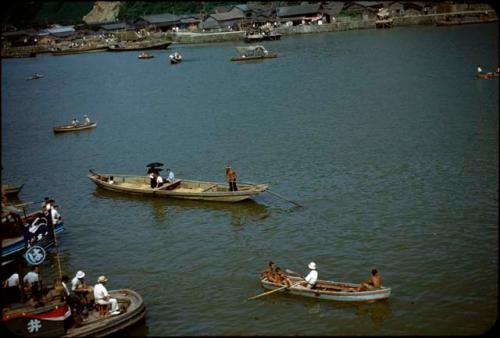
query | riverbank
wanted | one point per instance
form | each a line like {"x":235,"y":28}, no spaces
{"x":341,"y":24}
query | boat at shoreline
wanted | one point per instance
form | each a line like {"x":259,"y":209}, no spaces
{"x":76,"y":127}
{"x":331,"y":291}
{"x":140,"y":45}
{"x":79,"y":50}
{"x":256,"y":52}
{"x":181,"y":189}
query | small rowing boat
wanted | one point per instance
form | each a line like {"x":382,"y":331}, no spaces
{"x":145,"y":56}
{"x":74,"y":127}
{"x":488,"y":75}
{"x":328,"y":290}
{"x":248,"y":53}
{"x":183,"y":189}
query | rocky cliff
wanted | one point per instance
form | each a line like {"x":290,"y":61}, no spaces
{"x":103,"y":11}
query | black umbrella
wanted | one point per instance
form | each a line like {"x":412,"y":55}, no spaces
{"x":154,"y":164}
{"x":154,"y":170}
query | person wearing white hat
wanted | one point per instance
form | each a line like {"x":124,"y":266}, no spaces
{"x":312,"y":277}
{"x":78,"y":282}
{"x":102,"y":297}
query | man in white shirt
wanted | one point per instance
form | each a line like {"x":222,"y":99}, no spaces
{"x":12,"y":281}
{"x":479,"y":70}
{"x":87,"y":119}
{"x":101,"y":295}
{"x":31,"y":277}
{"x":56,"y":217}
{"x":312,"y":277}
{"x":77,"y":281}
{"x":159,"y":181}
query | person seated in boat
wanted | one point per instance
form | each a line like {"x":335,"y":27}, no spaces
{"x":81,"y":289}
{"x":170,"y":176}
{"x":374,"y":282}
{"x":152,"y":178}
{"x":281,"y":278}
{"x":102,"y":297}
{"x":74,"y":122}
{"x":269,"y":272}
{"x":312,"y":277}
{"x":159,"y":181}
{"x":54,"y":213}
{"x":87,"y":119}
{"x":111,"y":180}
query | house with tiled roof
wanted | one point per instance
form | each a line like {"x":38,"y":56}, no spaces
{"x":161,"y":22}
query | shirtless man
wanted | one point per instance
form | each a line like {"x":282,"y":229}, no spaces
{"x":280,"y":278}
{"x":269,"y":273}
{"x":374,"y":282}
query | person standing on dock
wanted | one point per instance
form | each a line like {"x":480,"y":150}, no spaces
{"x":231,"y":178}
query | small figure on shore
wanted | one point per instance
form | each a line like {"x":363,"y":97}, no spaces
{"x":231,"y":178}
{"x":374,"y":282}
{"x":102,"y":297}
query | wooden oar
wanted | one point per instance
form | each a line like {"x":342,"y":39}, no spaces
{"x":272,"y":291}
{"x":288,"y":271}
{"x":271,"y":192}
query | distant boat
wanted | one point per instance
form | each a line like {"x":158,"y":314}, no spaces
{"x":257,"y":52}
{"x":11,"y":190}
{"x":145,"y":56}
{"x":182,"y":189}
{"x":74,"y":127}
{"x":35,"y":76}
{"x":487,"y":75}
{"x":141,"y":45}
{"x":328,"y":290}
{"x":175,"y":58}
{"x":79,"y":50}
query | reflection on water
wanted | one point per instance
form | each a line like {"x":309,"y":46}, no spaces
{"x":241,"y":212}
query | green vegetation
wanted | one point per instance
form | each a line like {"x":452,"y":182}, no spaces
{"x":135,"y":9}
{"x":64,"y":13}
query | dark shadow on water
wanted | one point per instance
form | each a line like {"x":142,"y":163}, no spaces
{"x":239,"y":210}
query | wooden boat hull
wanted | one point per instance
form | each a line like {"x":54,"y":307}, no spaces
{"x":145,"y":57}
{"x":487,"y":75}
{"x":250,"y":58}
{"x":11,"y":190}
{"x":108,"y":325}
{"x":330,"y":292}
{"x":12,"y":247}
{"x":35,"y":77}
{"x":174,"y":61}
{"x":186,"y":189}
{"x":46,"y":321}
{"x":79,"y":51}
{"x":66,"y":128}
{"x":162,"y":45}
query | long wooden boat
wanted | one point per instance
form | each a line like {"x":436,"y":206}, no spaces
{"x":464,"y":21}
{"x":488,"y":75}
{"x":79,"y":50}
{"x":11,"y":190}
{"x":70,"y":127}
{"x":138,"y":46}
{"x":55,"y":318}
{"x":35,"y":77}
{"x":329,"y":290}
{"x":182,"y":189}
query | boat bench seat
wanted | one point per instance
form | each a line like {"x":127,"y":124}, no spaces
{"x":103,"y":309}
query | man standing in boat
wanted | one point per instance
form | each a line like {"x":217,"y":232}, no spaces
{"x":231,"y":178}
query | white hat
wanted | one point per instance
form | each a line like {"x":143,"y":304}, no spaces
{"x":80,"y":274}
{"x":312,"y":265}
{"x":102,"y":279}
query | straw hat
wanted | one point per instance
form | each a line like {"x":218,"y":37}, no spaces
{"x":102,"y":279}
{"x":312,"y":266}
{"x":80,"y":274}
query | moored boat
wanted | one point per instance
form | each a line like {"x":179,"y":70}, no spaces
{"x":257,"y":52}
{"x":145,"y":56}
{"x":20,"y":231}
{"x":332,"y":291}
{"x":75,"y":127}
{"x":140,"y":45}
{"x":79,"y":50}
{"x":182,"y":189}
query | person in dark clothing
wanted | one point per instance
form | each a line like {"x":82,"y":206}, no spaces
{"x":231,"y":178}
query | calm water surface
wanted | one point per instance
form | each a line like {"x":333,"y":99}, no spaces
{"x":385,"y":137}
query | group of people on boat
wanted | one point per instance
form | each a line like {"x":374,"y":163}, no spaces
{"x":275,"y":274}
{"x":80,"y":296}
{"x":156,"y":180}
{"x":86,"y":119}
{"x":175,"y":58}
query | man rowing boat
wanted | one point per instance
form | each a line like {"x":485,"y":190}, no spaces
{"x":374,"y":282}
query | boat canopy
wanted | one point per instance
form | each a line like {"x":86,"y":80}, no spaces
{"x":252,"y":50}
